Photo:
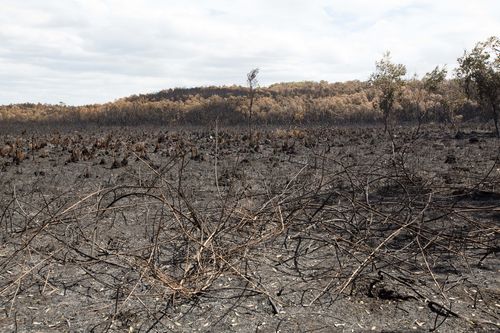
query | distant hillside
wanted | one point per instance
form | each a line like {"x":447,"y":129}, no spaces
{"x":293,"y":102}
{"x":306,"y":88}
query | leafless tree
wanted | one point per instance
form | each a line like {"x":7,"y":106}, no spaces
{"x":252,"y":84}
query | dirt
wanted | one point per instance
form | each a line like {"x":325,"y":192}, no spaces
{"x":157,"y":229}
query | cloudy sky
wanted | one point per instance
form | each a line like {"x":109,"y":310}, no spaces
{"x":90,"y":51}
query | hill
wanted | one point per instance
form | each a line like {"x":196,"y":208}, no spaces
{"x":292,"y":102}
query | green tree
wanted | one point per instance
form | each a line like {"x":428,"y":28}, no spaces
{"x":388,"y":79}
{"x":432,"y":80}
{"x":453,"y":100}
{"x":431,"y":83}
{"x":479,"y":72}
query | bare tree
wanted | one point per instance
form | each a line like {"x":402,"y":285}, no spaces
{"x":252,"y":84}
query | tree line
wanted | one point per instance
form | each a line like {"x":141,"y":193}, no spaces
{"x":471,"y":92}
{"x":477,"y":77}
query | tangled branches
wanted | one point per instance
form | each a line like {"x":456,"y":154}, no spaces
{"x":280,"y":234}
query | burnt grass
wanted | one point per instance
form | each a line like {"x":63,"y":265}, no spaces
{"x":155,"y":229}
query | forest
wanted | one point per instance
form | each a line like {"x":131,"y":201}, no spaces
{"x":282,"y":103}
{"x":467,"y":93}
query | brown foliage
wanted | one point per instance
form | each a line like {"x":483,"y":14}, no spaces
{"x":295,"y":102}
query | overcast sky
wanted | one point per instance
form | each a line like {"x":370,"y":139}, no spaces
{"x":92,"y":51}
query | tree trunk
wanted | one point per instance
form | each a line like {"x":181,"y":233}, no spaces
{"x":250,"y":113}
{"x":421,"y":116}
{"x":495,"y":118}
{"x":385,"y":121}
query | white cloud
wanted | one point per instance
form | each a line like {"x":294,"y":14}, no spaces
{"x":85,"y":51}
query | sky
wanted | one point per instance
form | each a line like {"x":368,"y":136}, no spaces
{"x":95,"y":51}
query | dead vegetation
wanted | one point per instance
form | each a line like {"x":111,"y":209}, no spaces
{"x":211,"y":230}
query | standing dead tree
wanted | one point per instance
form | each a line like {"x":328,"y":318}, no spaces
{"x":252,"y":84}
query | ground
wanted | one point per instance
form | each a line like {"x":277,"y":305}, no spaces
{"x":158,"y":229}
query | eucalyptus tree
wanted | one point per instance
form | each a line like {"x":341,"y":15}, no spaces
{"x":479,"y":72}
{"x":431,"y":83}
{"x":422,"y":94}
{"x":388,"y":78}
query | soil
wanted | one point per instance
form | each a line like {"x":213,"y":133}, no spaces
{"x":154,"y":229}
